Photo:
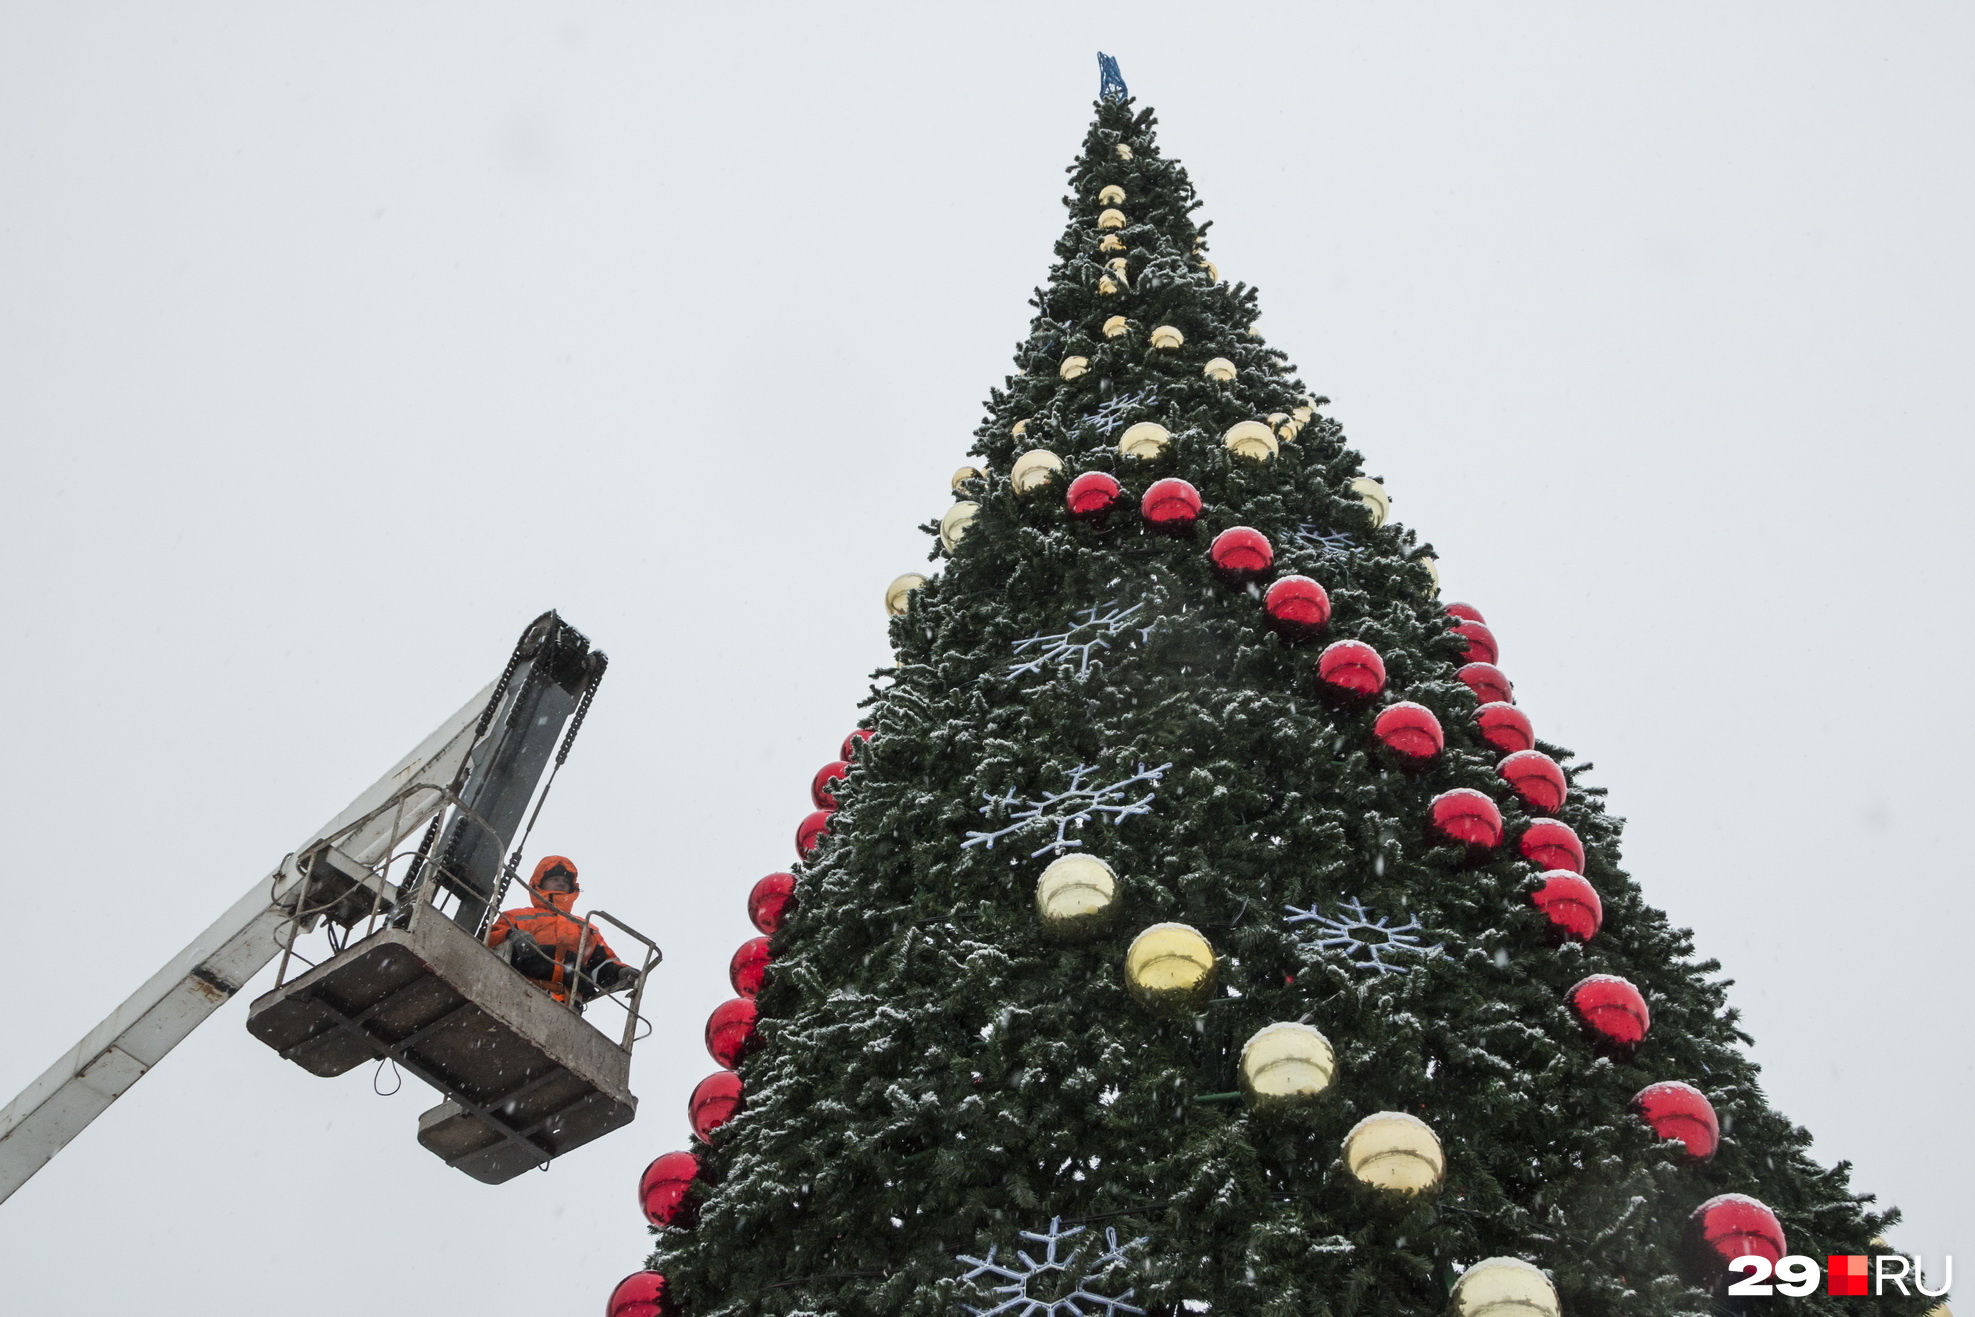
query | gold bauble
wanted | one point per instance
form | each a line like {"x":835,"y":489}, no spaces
{"x":1168,"y":338}
{"x":1124,"y":152}
{"x":963,"y":475}
{"x":1285,"y":1064}
{"x":1939,"y":1310}
{"x":1106,"y":285}
{"x":1220,"y":368}
{"x":1020,"y":428}
{"x":1117,"y":327}
{"x":1034,"y":470}
{"x":1213,"y":271}
{"x":1432,"y":565}
{"x":1146,"y":440}
{"x":1504,"y":1287}
{"x":956,"y":521}
{"x":1170,"y":967}
{"x":1112,"y":195}
{"x":1111,"y":218}
{"x":1250,"y":439}
{"x":1118,"y":266}
{"x":1395,"y":1152}
{"x":1077,"y":895}
{"x":1073,"y":367}
{"x":1303,"y":413}
{"x":898,"y":593}
{"x":1372,"y":494}
{"x":1110,"y":242}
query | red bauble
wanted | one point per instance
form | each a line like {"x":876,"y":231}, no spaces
{"x":1464,"y":613}
{"x":640,"y":1294}
{"x":1681,"y":1111}
{"x":851,"y":742}
{"x":749,"y":967}
{"x":1481,"y":642}
{"x":1241,"y":553}
{"x":1352,"y":667}
{"x":1729,"y":1227}
{"x":662,"y":1188}
{"x":1549,"y":844}
{"x":1410,"y":730}
{"x":1537,"y":778}
{"x":714,"y":1102}
{"x":1612,"y":1008}
{"x":730,"y":1031}
{"x":1570,"y":904}
{"x":820,"y":786}
{"x":1488,"y":682}
{"x":1505,"y":727}
{"x":1171,"y":505}
{"x":810,"y":832}
{"x":769,"y":901}
{"x":1091,"y":494}
{"x":1467,"y":816}
{"x":1298,"y":606}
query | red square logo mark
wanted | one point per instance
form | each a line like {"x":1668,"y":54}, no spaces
{"x":1847,"y":1273}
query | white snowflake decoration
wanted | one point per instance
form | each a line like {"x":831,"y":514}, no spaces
{"x":1110,"y":415}
{"x":1334,"y":542}
{"x":1091,"y":629}
{"x":1028,"y":1285}
{"x":1365,"y":941}
{"x":1073,"y":806}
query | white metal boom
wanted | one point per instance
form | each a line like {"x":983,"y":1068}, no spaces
{"x":219,"y":962}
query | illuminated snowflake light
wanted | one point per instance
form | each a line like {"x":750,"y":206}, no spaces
{"x":1072,"y":807}
{"x":1364,"y":941}
{"x":1091,"y":629}
{"x":1057,"y":1285}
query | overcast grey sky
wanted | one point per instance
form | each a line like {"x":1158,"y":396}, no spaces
{"x":337,"y":341}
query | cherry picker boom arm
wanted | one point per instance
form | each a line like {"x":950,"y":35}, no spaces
{"x":220,"y":961}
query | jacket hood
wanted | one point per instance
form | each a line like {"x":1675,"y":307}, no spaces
{"x":554,"y":900}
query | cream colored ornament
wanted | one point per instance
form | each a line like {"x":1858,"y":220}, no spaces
{"x":1504,"y":1287}
{"x":1110,"y":242}
{"x":1284,"y":1064}
{"x":1074,"y":367}
{"x":1250,"y":439}
{"x":1303,"y":414}
{"x":1118,"y":267}
{"x":898,"y":595}
{"x":1116,"y":327}
{"x":956,"y":521}
{"x":1112,"y":195}
{"x":1076,"y":896}
{"x":1106,"y":285}
{"x":1167,"y":338}
{"x":1219,"y":369}
{"x":1020,"y":428}
{"x":1124,"y":152}
{"x":1170,"y":967}
{"x":1372,"y":494}
{"x":1396,"y":1152}
{"x":963,"y":475}
{"x":1432,"y":566}
{"x":1034,"y":470}
{"x":1111,"y":218}
{"x":1145,"y":441}
{"x":1213,"y":272}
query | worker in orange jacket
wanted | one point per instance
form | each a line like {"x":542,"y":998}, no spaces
{"x":542,"y":940}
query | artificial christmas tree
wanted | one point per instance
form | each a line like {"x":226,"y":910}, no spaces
{"x":1198,"y":925}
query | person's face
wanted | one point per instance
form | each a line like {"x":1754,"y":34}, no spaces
{"x":557,"y":880}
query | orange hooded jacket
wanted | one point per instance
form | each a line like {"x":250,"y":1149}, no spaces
{"x":558,"y":932}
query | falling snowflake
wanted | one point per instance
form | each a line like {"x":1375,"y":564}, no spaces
{"x":1091,"y":630}
{"x":1110,"y":415}
{"x":1073,"y":806}
{"x":1053,"y":1285}
{"x":1365,"y":941}
{"x":1333,"y":542}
